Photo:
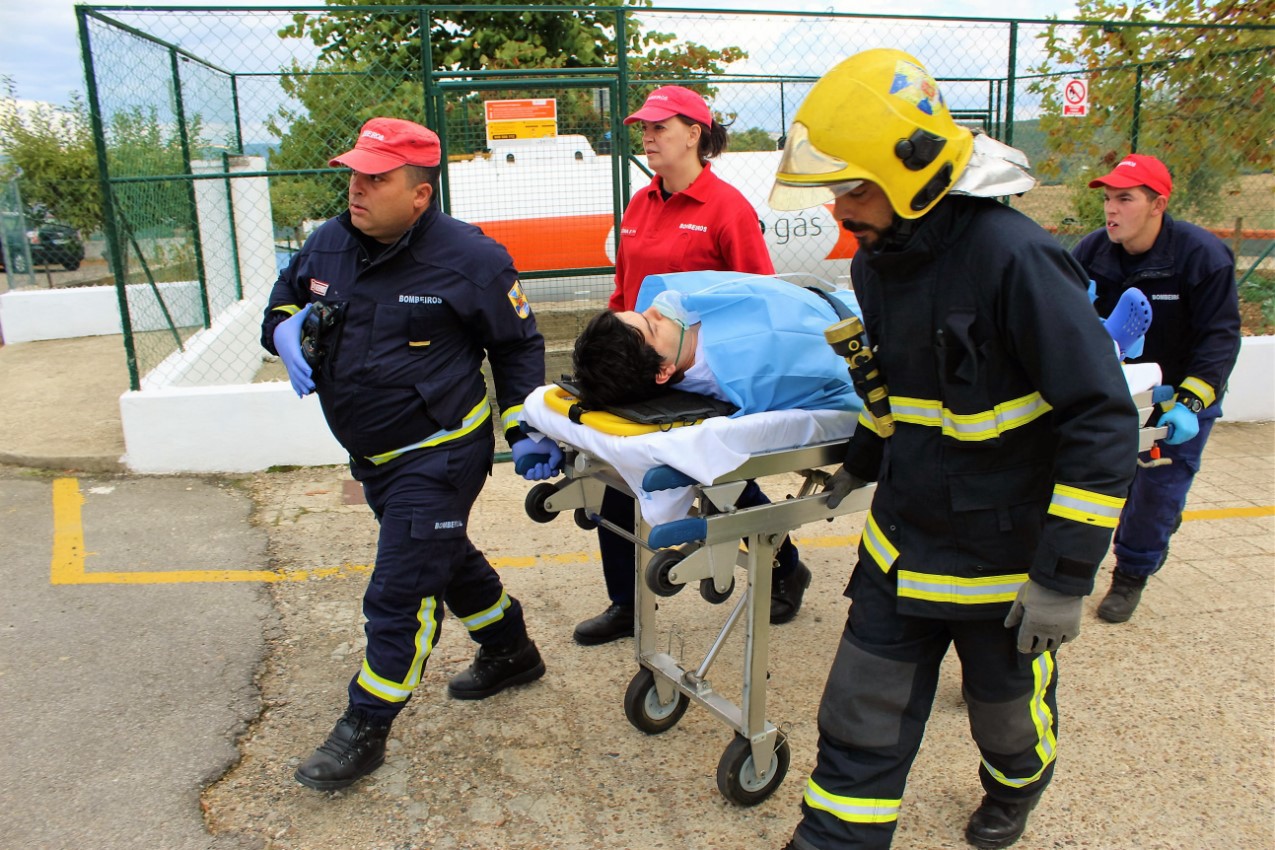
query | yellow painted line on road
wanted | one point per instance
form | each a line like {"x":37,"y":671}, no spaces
{"x":67,"y":564}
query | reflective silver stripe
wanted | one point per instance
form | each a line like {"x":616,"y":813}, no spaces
{"x":959,"y":591}
{"x":878,"y":545}
{"x":480,"y":414}
{"x":1086,"y":506}
{"x":851,"y":809}
{"x":1042,"y":719}
{"x":424,"y":641}
{"x":970,"y":427}
{"x":474,"y":622}
{"x":510,"y":417}
{"x":1197,"y":387}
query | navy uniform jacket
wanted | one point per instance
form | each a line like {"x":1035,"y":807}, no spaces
{"x":1015,"y":434}
{"x":405,"y":366}
{"x":1189,"y":277}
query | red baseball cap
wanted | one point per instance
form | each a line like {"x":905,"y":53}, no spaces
{"x":667,"y":101}
{"x":387,"y":143}
{"x":1138,"y":170}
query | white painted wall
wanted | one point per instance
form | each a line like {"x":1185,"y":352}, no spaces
{"x":29,"y":315}
{"x":1250,"y":396}
{"x":241,"y":428}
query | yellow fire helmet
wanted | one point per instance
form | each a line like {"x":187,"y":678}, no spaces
{"x":876,"y":116}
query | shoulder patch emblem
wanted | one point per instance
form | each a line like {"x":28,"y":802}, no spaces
{"x":913,"y":84}
{"x":519,"y":300}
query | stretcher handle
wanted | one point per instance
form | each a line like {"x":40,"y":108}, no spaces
{"x":677,"y":532}
{"x":528,"y":461}
{"x":665,"y":478}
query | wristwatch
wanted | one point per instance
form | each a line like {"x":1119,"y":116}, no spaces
{"x":1191,"y":403}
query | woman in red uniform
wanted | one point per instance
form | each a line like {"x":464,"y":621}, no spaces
{"x":686,"y":219}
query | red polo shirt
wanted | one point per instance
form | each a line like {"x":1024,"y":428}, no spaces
{"x":708,"y":226}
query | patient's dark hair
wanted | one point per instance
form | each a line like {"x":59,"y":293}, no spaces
{"x":614,"y":364}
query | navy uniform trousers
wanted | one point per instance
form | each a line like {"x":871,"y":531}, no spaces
{"x":1153,"y":510}
{"x":424,"y":558}
{"x":878,"y":699}
{"x":618,"y":554}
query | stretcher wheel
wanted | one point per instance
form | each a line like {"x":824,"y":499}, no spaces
{"x":581,"y":517}
{"x":642,"y":705}
{"x":737,"y":775}
{"x":708,"y":590}
{"x":535,"y":502}
{"x":658,"y":568}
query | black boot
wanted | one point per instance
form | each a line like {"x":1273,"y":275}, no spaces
{"x":1122,"y":599}
{"x":612,"y":624}
{"x":996,"y":823}
{"x":786,"y":593}
{"x":355,"y":748}
{"x":497,"y":668}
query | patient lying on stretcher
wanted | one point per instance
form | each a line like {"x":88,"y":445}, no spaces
{"x":753,"y":341}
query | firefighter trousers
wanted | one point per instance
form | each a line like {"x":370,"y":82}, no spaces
{"x":424,"y":558}
{"x":878,"y":698}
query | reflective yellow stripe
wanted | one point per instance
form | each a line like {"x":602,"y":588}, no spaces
{"x":866,"y":421}
{"x":959,"y":591}
{"x":510,"y":419}
{"x":426,"y":637}
{"x":851,"y":809}
{"x":970,"y":427}
{"x":1199,"y":388}
{"x":1085,"y":506}
{"x":878,"y":545}
{"x":1042,"y":718}
{"x":289,"y":309}
{"x":480,"y":414}
{"x":474,"y":622}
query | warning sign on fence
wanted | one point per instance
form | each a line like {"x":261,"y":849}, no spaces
{"x":530,"y":118}
{"x":1075,"y":98}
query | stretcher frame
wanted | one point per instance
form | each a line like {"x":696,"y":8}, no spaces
{"x":705,"y":548}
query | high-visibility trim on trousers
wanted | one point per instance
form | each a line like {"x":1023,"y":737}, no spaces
{"x":1042,"y":719}
{"x":426,"y":636}
{"x":851,"y":809}
{"x":474,"y":622}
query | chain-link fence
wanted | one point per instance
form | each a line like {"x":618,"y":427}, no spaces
{"x":214,"y":124}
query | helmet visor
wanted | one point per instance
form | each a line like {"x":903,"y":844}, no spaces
{"x":807,"y":177}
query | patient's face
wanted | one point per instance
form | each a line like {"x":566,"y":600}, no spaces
{"x":660,"y":332}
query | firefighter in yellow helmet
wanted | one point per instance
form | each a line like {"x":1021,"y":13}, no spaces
{"x":1014,"y":444}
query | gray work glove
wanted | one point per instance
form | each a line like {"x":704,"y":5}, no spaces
{"x":1049,"y":618}
{"x":841,"y":484}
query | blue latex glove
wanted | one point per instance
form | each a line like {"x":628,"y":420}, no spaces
{"x":287,"y":341}
{"x":536,"y":460}
{"x":1182,"y":422}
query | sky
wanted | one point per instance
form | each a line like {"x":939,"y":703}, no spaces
{"x":40,"y":48}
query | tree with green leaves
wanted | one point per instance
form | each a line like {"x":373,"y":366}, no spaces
{"x":53,"y":151}
{"x":371,"y":62}
{"x":1197,"y":97}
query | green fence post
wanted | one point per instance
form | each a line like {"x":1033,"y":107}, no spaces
{"x":234,"y":231}
{"x":1011,"y":82}
{"x":184,"y":136}
{"x":1137,"y":108}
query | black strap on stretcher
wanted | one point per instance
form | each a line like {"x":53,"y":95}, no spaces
{"x":675,"y":407}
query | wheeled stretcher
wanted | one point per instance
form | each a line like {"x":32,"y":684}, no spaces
{"x":687,"y":530}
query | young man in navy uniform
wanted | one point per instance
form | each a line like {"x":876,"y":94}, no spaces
{"x":1188,"y":275}
{"x":387,"y":312}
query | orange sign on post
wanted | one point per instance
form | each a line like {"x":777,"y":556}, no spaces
{"x":530,"y":118}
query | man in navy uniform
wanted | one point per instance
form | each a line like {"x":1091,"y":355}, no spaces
{"x":387,"y":312}
{"x":1188,"y":275}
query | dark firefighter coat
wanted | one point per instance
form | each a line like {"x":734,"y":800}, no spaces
{"x":1016,"y":436}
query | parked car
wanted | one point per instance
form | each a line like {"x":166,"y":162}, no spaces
{"x":52,"y":244}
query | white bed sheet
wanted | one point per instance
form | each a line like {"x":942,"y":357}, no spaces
{"x":704,"y":452}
